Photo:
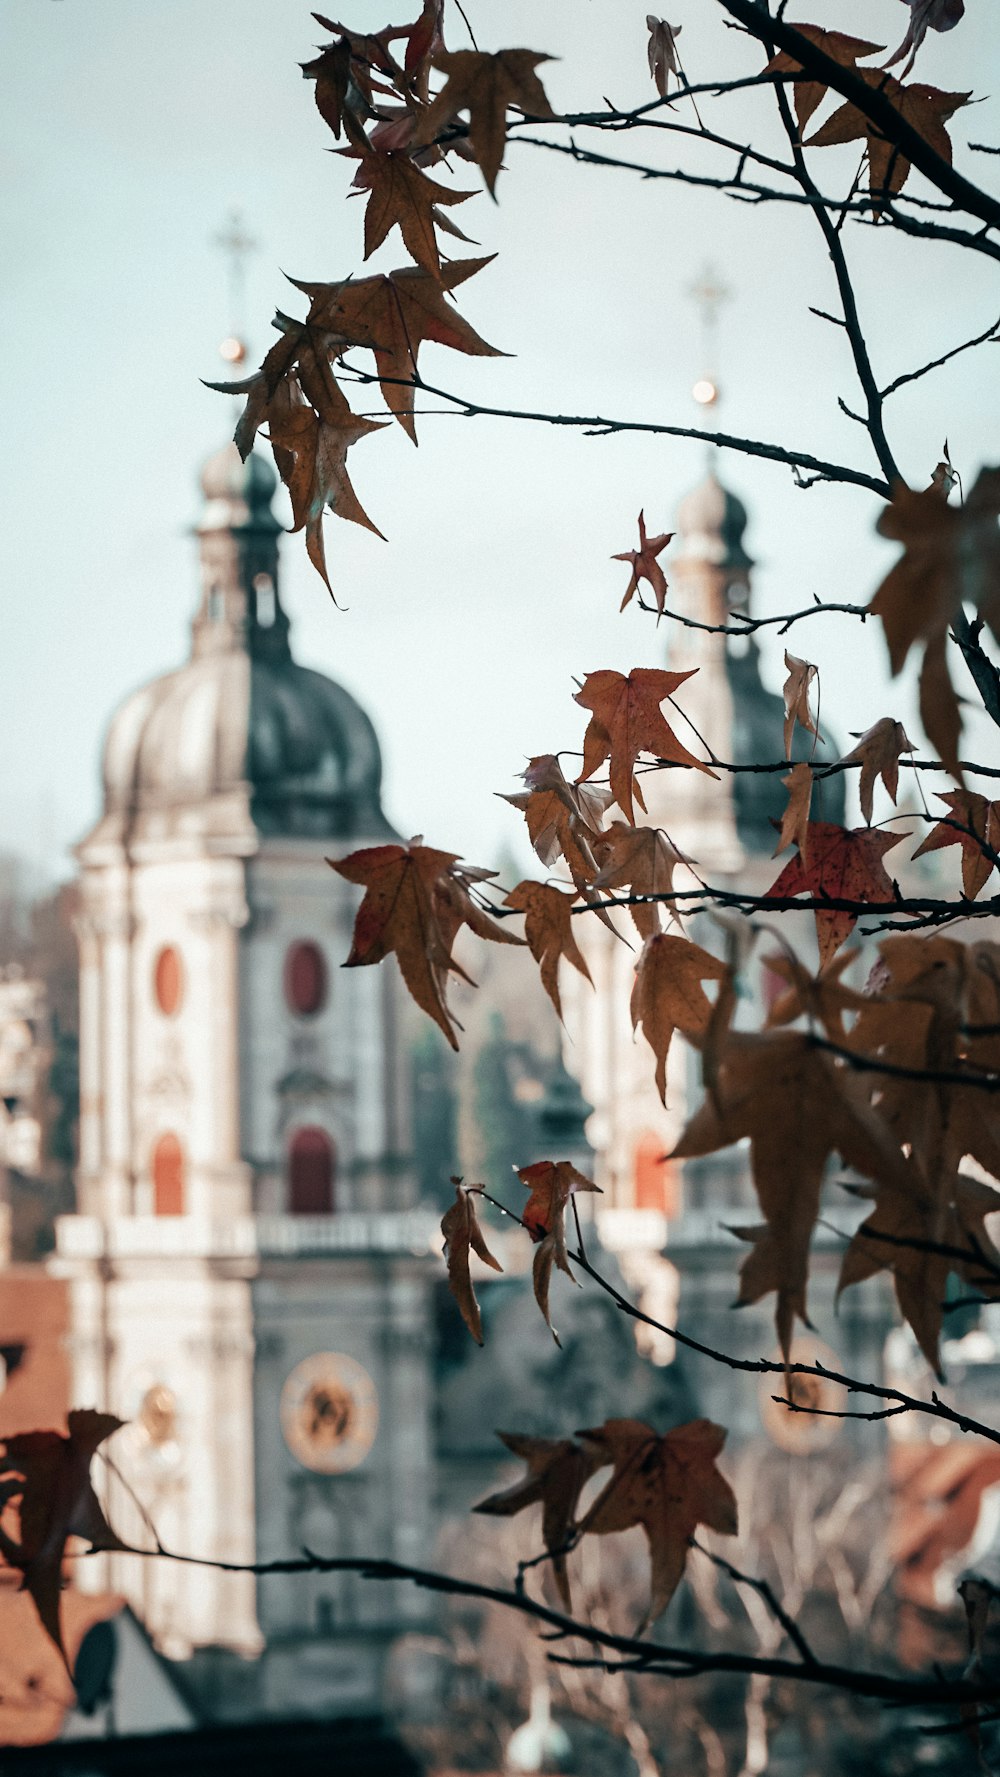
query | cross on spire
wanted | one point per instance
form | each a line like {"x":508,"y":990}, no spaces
{"x":708,"y":293}
{"x":237,"y":246}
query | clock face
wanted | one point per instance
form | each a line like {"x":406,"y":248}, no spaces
{"x":329,"y":1413}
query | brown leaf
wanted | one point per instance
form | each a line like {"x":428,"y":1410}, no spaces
{"x":49,"y":1475}
{"x":485,"y":86}
{"x":662,"y":52}
{"x":924,"y":108}
{"x":810,"y":93}
{"x":563,"y":819}
{"x":878,"y":753}
{"x":797,"y":1107}
{"x":462,"y":1233}
{"x":551,"y":1183}
{"x":331,"y":70}
{"x":645,"y":565}
{"x":641,"y":859}
{"x":951,"y":557}
{"x":820,"y":998}
{"x":667,"y":994}
{"x":405,"y":198}
{"x":795,"y":691}
{"x":558,"y":1471}
{"x":667,"y":1484}
{"x":795,"y":820}
{"x":626,"y":721}
{"x":845,"y":865}
{"x":981,"y":819}
{"x":416,"y":901}
{"x":393,"y":315}
{"x":548,"y":928}
{"x":934,"y":15}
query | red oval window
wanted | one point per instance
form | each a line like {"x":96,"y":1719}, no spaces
{"x":168,"y":981}
{"x":305,"y":977}
{"x":168,"y":1177}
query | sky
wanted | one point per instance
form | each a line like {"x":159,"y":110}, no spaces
{"x":128,"y":133}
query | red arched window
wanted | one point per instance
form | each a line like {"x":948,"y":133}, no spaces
{"x":168,"y":981}
{"x":168,"y":1177}
{"x":310,"y":1173}
{"x":656,"y":1180}
{"x":305,"y":977}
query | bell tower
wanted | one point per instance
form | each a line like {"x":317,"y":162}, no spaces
{"x":250,"y":1272}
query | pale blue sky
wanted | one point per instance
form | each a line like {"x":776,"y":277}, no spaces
{"x":129,"y":129}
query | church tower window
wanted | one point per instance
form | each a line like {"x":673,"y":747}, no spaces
{"x":310,"y":1173}
{"x":168,"y":1176}
{"x":266,"y":604}
{"x":305,"y":978}
{"x":168,"y":981}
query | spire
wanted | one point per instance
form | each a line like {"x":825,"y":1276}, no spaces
{"x":240,"y":607}
{"x":238,"y":532}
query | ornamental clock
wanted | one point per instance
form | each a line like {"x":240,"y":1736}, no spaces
{"x":329,"y":1413}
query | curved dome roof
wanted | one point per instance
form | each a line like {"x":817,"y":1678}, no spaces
{"x":241,"y":740}
{"x":292,"y":746}
{"x":712,"y":521}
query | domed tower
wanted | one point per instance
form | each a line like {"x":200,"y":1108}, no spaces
{"x":247,"y":1276}
{"x":725,"y":827}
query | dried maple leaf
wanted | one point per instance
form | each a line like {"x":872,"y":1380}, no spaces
{"x":667,"y":994}
{"x":548,"y":928}
{"x":416,"y":900}
{"x":934,"y":15}
{"x":920,"y":1276}
{"x":845,"y":865}
{"x":49,"y":1475}
{"x":393,"y":315}
{"x":808,"y":93}
{"x":331,"y":71}
{"x":626,"y":721}
{"x":820,"y":997}
{"x":662,"y":52}
{"x":667,"y":1484}
{"x":558,"y":1471}
{"x":981,"y":819}
{"x":878,"y":753}
{"x":485,"y":86}
{"x":551,"y":1183}
{"x":924,"y":108}
{"x":795,"y":820}
{"x":951,"y":556}
{"x":462,"y":1233}
{"x":645,"y":566}
{"x":900,"y":1236}
{"x":798,"y":1107}
{"x":641,"y":859}
{"x":310,"y":445}
{"x":563,"y":819}
{"x":405,"y":198}
{"x":795,"y":692}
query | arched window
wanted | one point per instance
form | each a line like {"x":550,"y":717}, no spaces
{"x":168,"y":1177}
{"x":168,"y":981}
{"x":310,"y":1173}
{"x":264,"y":599}
{"x":305,"y":977}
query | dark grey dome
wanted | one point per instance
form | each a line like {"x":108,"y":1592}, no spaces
{"x":242,"y":738}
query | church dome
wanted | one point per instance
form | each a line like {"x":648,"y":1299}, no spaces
{"x":241,"y":739}
{"x":712,"y":521}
